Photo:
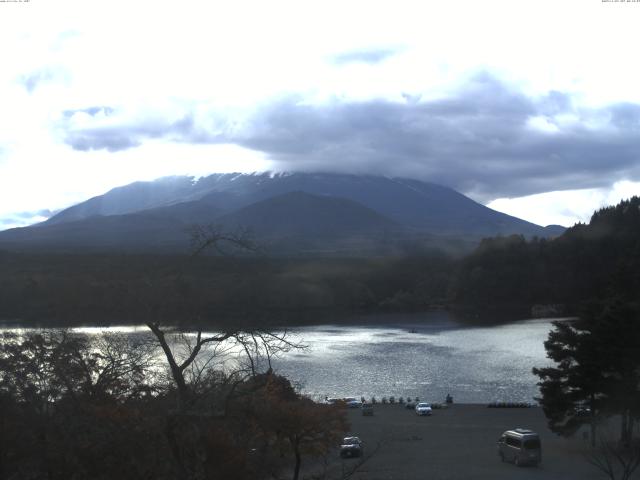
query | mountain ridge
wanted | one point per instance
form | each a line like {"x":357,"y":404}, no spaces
{"x":285,"y":204}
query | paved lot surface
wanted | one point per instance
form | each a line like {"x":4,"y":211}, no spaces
{"x":456,"y":443}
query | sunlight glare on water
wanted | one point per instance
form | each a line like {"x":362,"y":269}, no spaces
{"x":424,"y":355}
{"x":427,"y":356}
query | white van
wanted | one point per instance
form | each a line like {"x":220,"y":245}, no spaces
{"x":520,"y":446}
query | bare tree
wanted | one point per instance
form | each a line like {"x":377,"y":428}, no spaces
{"x":214,"y":237}
{"x":616,"y":460}
{"x":197,"y":362}
{"x":260,"y":346}
{"x":178,"y":367}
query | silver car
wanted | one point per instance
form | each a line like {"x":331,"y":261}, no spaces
{"x":423,"y":409}
{"x":520,"y":446}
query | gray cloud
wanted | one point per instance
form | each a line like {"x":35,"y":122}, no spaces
{"x":93,"y":111}
{"x":479,"y":141}
{"x":121,"y":136}
{"x":626,"y":116}
{"x":49,"y":74}
{"x":22,"y":219}
{"x":370,"y":56}
{"x":38,"y":213}
{"x":32,"y":80}
{"x":97,"y":139}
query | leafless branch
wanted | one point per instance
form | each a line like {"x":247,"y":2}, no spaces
{"x":216,"y":238}
{"x":616,"y":461}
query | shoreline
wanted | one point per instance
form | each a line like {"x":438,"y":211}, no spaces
{"x":316,"y":318}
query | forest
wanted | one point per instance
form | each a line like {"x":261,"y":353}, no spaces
{"x":504,"y":274}
{"x":589,"y":262}
{"x":64,"y":290}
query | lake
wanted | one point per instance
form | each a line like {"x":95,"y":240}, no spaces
{"x":426,"y":355}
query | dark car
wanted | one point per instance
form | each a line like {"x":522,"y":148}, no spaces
{"x":351,"y":447}
{"x":352,"y":402}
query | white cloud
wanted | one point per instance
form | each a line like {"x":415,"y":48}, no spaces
{"x":149,"y":60}
{"x":565,"y":207}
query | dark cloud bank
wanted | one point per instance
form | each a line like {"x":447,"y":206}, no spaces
{"x":125,"y":135}
{"x":478,"y":141}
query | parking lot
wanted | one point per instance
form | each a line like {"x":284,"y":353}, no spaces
{"x":456,"y":443}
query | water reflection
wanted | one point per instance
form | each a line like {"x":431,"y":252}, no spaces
{"x":427,"y":356}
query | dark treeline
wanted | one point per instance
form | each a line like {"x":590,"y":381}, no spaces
{"x":509,"y":274}
{"x":593,"y":262}
{"x":53,"y":289}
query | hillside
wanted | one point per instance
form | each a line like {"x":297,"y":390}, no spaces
{"x":592,"y":262}
{"x":433,"y":208}
{"x":362,"y":214}
{"x":303,"y":214}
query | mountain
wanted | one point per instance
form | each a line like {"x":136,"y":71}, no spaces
{"x":136,"y":231}
{"x":304,"y":214}
{"x":291,"y":221}
{"x":552,"y":231}
{"x":131,"y":198}
{"x":427,"y":206}
{"x":274,"y":206}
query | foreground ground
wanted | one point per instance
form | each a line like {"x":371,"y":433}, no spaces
{"x":456,"y":443}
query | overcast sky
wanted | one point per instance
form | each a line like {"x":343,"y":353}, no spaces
{"x":530,"y":107}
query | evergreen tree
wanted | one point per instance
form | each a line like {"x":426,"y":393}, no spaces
{"x":597,"y":372}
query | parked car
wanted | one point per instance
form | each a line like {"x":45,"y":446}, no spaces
{"x":582,"y":411}
{"x":423,"y":409}
{"x":520,"y":446}
{"x":367,"y":409}
{"x":351,"y":447}
{"x":352,"y":402}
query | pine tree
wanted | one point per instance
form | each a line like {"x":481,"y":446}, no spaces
{"x":597,"y":372}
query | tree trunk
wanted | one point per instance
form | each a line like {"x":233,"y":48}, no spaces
{"x":296,"y":450}
{"x":174,"y":445}
{"x":626,"y":428}
{"x":176,"y":371}
{"x":2,"y":454}
{"x":592,"y":407}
